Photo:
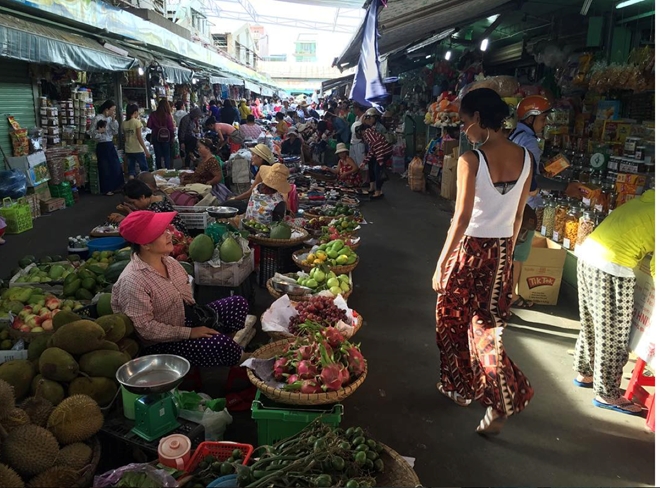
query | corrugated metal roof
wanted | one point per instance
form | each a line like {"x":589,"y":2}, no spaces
{"x":404,"y":22}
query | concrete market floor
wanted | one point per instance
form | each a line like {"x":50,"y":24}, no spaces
{"x":559,"y":440}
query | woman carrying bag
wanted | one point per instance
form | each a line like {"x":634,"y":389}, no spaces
{"x":162,"y":134}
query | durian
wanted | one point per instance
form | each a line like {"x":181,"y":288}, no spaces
{"x":16,"y":418}
{"x":9,"y":477}
{"x":30,"y":449}
{"x":38,"y":409}
{"x":75,"y":456}
{"x":7,"y":399}
{"x":55,"y":476}
{"x":76,"y":419}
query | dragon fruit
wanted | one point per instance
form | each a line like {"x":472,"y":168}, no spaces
{"x":333,"y":336}
{"x":305,"y":352}
{"x":280,"y":368}
{"x":331,"y":377}
{"x":306,"y":370}
{"x":355,"y":360}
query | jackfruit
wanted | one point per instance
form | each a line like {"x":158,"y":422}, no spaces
{"x":38,"y":410}
{"x":128,"y":322}
{"x":109,"y":346}
{"x":114,"y":327}
{"x":7,"y":399}
{"x":30,"y":449}
{"x":48,"y":389}
{"x":129,"y":346}
{"x":64,"y":317}
{"x":38,"y":346}
{"x":18,"y":373}
{"x":76,"y":419}
{"x":103,"y":363}
{"x":58,"y":365}
{"x":102,"y":390}
{"x":79,"y":337}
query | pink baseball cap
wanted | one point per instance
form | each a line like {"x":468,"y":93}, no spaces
{"x":144,"y":227}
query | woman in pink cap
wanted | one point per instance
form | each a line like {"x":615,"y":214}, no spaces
{"x":154,"y":291}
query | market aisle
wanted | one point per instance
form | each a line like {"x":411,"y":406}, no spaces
{"x":559,"y":440}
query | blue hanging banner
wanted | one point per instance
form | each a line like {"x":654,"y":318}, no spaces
{"x":368,"y":88}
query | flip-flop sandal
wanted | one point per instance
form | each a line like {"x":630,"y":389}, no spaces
{"x":619,"y":408}
{"x":377,"y":197}
{"x":522,"y":303}
{"x":583,"y":384}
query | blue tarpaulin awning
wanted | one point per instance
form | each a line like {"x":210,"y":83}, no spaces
{"x":35,"y":43}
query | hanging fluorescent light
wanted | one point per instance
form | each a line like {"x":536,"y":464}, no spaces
{"x":431,"y":40}
{"x":585,"y":7}
{"x":492,"y":18}
{"x":484,"y":44}
{"x":628,"y":3}
{"x":448,"y":55}
{"x":428,"y":57}
{"x":140,"y":71}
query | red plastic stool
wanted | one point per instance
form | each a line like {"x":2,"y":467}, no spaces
{"x":635,"y":390}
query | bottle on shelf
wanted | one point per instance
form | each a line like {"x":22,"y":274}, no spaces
{"x":586,"y":226}
{"x":571,"y":227}
{"x":548,"y":224}
{"x":561,"y":212}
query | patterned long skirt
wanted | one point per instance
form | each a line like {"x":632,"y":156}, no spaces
{"x":471,"y":315}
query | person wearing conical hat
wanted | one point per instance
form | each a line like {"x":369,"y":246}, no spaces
{"x":268,"y":200}
{"x":347,"y":170}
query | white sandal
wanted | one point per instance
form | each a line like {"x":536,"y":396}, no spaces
{"x":491,"y":424}
{"x":454,"y":396}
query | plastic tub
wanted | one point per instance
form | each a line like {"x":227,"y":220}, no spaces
{"x":106,"y":244}
{"x":276,"y":422}
{"x":82,"y":252}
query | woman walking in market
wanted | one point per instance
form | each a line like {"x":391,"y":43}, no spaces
{"x":134,"y":147}
{"x":111,"y":175}
{"x":473,"y":274}
{"x":606,"y":288}
{"x":162,"y":134}
{"x":379,"y":151}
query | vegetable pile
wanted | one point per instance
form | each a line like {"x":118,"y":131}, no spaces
{"x":318,"y":309}
{"x":319,"y":362}
{"x":319,"y":456}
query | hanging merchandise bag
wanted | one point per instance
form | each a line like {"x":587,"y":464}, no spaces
{"x":13,"y":184}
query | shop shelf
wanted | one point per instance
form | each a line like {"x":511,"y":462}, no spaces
{"x":276,"y":422}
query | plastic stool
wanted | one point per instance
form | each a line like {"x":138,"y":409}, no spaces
{"x":635,"y":390}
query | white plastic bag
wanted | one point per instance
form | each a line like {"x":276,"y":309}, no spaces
{"x":215,"y":423}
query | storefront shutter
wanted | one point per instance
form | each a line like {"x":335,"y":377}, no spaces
{"x":16,"y":99}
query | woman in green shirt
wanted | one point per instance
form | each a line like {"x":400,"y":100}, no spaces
{"x":134,"y":146}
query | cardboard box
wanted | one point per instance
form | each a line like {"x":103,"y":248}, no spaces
{"x":449,"y":178}
{"x":556,"y":165}
{"x":644,"y":326}
{"x":540,"y":280}
{"x":589,"y":192}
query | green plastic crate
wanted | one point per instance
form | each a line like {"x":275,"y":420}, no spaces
{"x":276,"y":421}
{"x":60,"y":191}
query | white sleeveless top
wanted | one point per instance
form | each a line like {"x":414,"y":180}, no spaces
{"x":494,"y":213}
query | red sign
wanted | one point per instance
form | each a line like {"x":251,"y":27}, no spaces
{"x":536,"y":281}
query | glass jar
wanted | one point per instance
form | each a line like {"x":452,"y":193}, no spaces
{"x":560,"y":221}
{"x":549,"y":218}
{"x":603,"y":202}
{"x":586,"y":226}
{"x":585,"y":174}
{"x":571,"y":227}
{"x":539,"y":213}
{"x":611,"y":203}
{"x":600,"y":216}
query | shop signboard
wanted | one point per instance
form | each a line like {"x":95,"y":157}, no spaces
{"x":645,"y":324}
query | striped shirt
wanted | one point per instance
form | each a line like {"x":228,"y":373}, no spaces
{"x":154,"y":303}
{"x":378,"y":146}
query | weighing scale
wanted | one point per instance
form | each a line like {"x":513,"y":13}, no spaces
{"x":153,"y":378}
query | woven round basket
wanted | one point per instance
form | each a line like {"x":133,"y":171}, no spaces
{"x":267,"y":241}
{"x":295,"y":398}
{"x":353,"y":246}
{"x":300,"y":298}
{"x":345,"y":269}
{"x":87,"y":473}
{"x":397,"y":471}
{"x":278,"y":336}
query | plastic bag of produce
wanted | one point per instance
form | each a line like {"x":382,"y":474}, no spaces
{"x":136,"y":476}
{"x":202,"y":409}
{"x":13,"y":184}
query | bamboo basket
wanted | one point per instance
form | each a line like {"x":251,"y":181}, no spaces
{"x":397,"y":471}
{"x":300,"y":298}
{"x":268,"y":242}
{"x":87,"y":473}
{"x":345,"y":269}
{"x":278,"y":336}
{"x":295,"y":398}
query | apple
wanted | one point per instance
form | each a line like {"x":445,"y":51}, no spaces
{"x":37,"y":329}
{"x":25,"y":328}
{"x":55,"y":312}
{"x":18,"y":323}
{"x":30,"y":320}
{"x":44,"y":311}
{"x":46,"y":325}
{"x":27,"y":310}
{"x":52,"y":303}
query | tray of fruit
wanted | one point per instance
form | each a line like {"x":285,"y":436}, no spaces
{"x":336,"y":255}
{"x":254,"y":227}
{"x":315,"y":225}
{"x":302,"y":286}
{"x":332,"y":211}
{"x":279,"y":234}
